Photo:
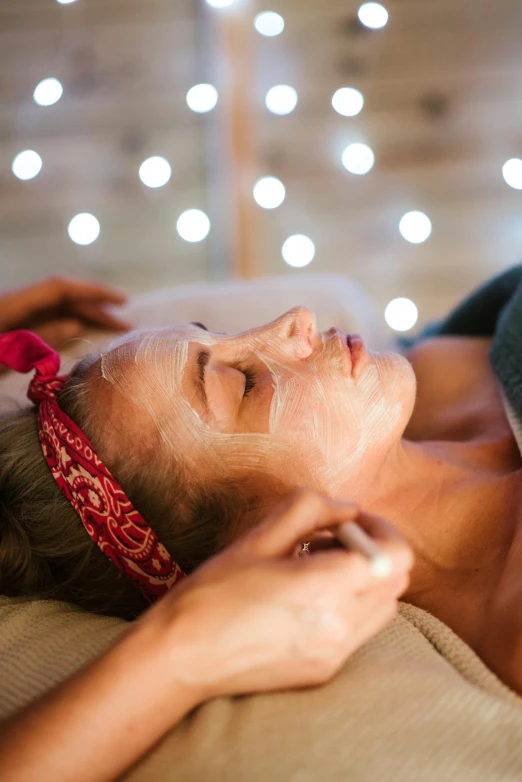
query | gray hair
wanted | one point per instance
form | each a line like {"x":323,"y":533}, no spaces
{"x":45,"y":551}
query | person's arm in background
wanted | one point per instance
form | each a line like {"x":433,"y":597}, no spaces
{"x":59,"y":309}
{"x":253,"y":618}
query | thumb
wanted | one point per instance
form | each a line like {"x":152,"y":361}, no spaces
{"x":57,"y":332}
{"x":297,"y":517}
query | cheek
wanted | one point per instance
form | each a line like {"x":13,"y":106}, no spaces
{"x":320,"y":410}
{"x":225,"y":387}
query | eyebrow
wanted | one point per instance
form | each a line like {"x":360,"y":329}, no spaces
{"x":201,"y":362}
{"x":199,"y":378}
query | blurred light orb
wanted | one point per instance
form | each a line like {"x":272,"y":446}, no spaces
{"x":269,"y":192}
{"x":84,"y":228}
{"x":415,"y":227}
{"x":281,"y":99}
{"x":193,"y":225}
{"x":202,"y":98}
{"x":49,"y":91}
{"x":512,"y":172}
{"x":358,"y":158}
{"x":401,"y":314}
{"x":269,"y":23}
{"x":65,"y":2}
{"x":298,"y":251}
{"x":155,"y":171}
{"x":348,"y":101}
{"x":27,"y":164}
{"x":219,"y":3}
{"x":373,"y":15}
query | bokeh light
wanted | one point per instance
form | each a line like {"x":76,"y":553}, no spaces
{"x":220,"y":3}
{"x":373,"y":15}
{"x":415,"y":227}
{"x":193,"y":225}
{"x":269,"y":192}
{"x":49,"y":91}
{"x":358,"y":158}
{"x":65,"y":2}
{"x":512,"y":172}
{"x":348,"y":101}
{"x":202,"y":98}
{"x":269,"y":23}
{"x":84,"y":228}
{"x":298,"y":250}
{"x":27,"y":164}
{"x":155,"y":171}
{"x":401,"y":314}
{"x":281,"y":99}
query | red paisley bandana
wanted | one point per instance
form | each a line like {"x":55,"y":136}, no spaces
{"x":107,"y":514}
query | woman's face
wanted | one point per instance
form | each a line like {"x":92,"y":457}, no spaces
{"x":283,"y":399}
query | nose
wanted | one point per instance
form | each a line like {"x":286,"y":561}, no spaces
{"x":300,"y":326}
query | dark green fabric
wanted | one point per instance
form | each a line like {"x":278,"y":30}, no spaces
{"x":492,"y":310}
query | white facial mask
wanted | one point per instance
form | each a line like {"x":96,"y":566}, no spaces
{"x":320,"y":423}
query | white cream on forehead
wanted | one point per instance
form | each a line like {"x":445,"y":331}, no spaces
{"x":315,"y":420}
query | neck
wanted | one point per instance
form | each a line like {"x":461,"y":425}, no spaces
{"x":457,"y":505}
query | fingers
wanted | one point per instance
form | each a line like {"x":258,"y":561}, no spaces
{"x":352,"y":572}
{"x":94,"y":314}
{"x":307,"y":514}
{"x":57,"y":332}
{"x":60,"y":289}
{"x":378,"y":606}
{"x":53,"y":298}
{"x":387,"y":538}
{"x":295,"y":519}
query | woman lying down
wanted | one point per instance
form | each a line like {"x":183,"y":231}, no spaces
{"x":206,"y":432}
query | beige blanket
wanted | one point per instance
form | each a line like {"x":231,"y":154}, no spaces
{"x":414,"y":704}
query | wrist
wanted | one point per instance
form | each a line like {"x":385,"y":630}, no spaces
{"x":133,"y":689}
{"x":173,"y":652}
{"x":195,"y":641}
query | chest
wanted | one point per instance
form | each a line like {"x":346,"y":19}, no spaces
{"x":458,"y":396}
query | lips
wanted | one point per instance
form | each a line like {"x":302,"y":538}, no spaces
{"x":356,"y":347}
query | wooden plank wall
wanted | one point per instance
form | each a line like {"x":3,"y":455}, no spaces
{"x":442,"y":84}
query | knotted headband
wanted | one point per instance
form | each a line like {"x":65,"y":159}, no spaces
{"x":108,"y":515}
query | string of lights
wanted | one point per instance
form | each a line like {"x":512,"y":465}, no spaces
{"x":269,"y":192}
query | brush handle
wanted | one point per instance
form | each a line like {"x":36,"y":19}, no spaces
{"x":355,"y":539}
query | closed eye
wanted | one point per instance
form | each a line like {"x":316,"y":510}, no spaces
{"x":250,"y":381}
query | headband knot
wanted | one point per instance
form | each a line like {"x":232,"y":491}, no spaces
{"x":45,"y":387}
{"x":23,"y":351}
{"x":109,"y":517}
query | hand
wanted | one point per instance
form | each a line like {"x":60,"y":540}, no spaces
{"x":59,"y":309}
{"x":257,"y":618}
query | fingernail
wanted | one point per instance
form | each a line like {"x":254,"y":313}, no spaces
{"x":381,"y":566}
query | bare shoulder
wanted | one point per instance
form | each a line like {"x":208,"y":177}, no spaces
{"x":455,"y":387}
{"x":454,"y":343}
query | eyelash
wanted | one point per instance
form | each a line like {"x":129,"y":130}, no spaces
{"x":250,"y":380}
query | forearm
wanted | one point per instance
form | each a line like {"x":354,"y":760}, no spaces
{"x":102,"y":720}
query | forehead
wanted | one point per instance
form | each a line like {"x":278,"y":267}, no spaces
{"x":145,"y":344}
{"x":147,"y":361}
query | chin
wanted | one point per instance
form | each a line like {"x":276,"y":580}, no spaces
{"x":399,"y":384}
